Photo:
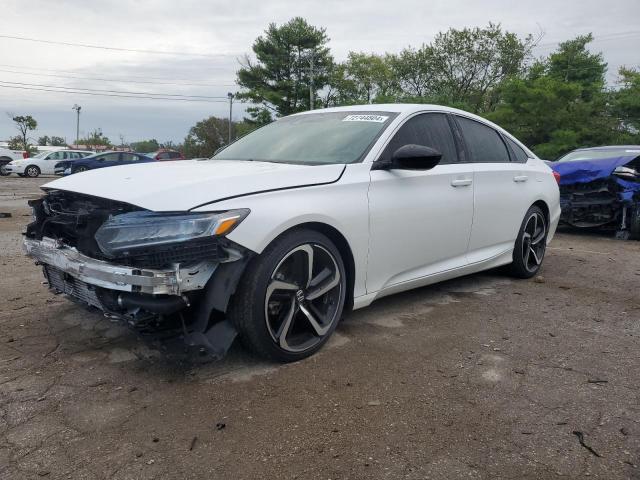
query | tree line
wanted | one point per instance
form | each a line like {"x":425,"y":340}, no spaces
{"x":553,"y":104}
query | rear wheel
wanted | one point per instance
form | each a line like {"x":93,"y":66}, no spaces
{"x":531,"y":244}
{"x":32,"y":171}
{"x":291,"y":297}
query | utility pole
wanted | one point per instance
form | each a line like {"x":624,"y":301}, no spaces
{"x":77,"y":108}
{"x":311,"y":81}
{"x":230,"y":95}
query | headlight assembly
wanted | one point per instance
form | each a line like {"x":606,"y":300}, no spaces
{"x":146,"y":229}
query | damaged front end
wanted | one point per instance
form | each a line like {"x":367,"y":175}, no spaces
{"x":169,"y":274}
{"x":603,"y":194}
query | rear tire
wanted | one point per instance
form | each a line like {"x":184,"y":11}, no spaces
{"x":291,"y":297}
{"x":32,"y":171}
{"x":531,"y":244}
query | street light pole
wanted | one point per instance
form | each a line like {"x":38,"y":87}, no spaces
{"x":77,"y":108}
{"x":230,"y":95}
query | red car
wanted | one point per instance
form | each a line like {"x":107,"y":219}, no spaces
{"x":165,"y":154}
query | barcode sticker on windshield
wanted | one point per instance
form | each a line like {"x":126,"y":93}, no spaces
{"x":365,"y":118}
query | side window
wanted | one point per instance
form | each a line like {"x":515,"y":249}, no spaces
{"x":484,"y":144}
{"x":428,"y":129}
{"x":128,"y":157}
{"x":111,"y":157}
{"x":163,"y":156}
{"x":520,"y":155}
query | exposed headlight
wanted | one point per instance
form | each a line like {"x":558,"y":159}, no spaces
{"x":145,"y":229}
{"x":625,"y":172}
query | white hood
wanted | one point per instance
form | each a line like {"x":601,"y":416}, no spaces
{"x":183,"y":185}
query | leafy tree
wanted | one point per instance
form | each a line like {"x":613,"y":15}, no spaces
{"x":561,"y":104}
{"x":626,"y":101}
{"x":469,"y":64}
{"x":205,"y":137}
{"x":145,"y":146}
{"x":58,"y":142}
{"x":24,"y":124}
{"x":53,"y":141}
{"x":278,"y":82}
{"x":95,"y":138}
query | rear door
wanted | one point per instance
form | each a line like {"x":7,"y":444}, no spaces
{"x":419,"y":220}
{"x":502,"y":193}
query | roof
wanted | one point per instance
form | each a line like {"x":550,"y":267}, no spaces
{"x":386,"y":107}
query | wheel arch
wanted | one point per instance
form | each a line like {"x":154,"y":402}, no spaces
{"x":343,"y":246}
{"x":545,"y":209}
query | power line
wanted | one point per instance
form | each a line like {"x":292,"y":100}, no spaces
{"x":609,"y":36}
{"x":109,"y":91}
{"x":114,"y":95}
{"x":116,"y":80}
{"x":118,"y":49}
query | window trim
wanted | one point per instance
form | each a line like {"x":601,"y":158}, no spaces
{"x":392,"y":135}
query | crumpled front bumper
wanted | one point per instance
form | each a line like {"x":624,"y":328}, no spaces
{"x":171,"y":281}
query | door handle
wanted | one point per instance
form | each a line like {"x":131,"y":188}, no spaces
{"x":520,"y":178}
{"x":461,"y":182}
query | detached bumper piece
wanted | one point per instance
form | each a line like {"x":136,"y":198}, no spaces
{"x":174,"y":281}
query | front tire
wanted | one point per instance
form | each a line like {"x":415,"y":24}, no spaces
{"x":80,"y":169}
{"x":32,"y":171}
{"x":291,"y":297}
{"x":531,"y":244}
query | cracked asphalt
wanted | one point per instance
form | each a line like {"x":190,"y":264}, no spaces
{"x":480,"y":377}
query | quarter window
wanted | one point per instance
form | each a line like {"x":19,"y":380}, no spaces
{"x":484,"y":144}
{"x":428,"y":129}
{"x":520,"y":154}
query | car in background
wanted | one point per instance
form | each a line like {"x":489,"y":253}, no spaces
{"x":43,"y":163}
{"x":7,"y":156}
{"x":100,"y":160}
{"x":600,"y":188}
{"x":165,"y":155}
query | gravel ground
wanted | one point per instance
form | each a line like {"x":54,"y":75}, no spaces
{"x":481,"y":377}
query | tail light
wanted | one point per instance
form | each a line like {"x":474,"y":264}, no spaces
{"x":25,"y":154}
{"x":556,"y":175}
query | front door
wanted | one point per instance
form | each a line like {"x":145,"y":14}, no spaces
{"x":419,"y":221}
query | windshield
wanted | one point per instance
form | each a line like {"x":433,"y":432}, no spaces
{"x":41,"y":155}
{"x":311,"y":139}
{"x":599,"y":154}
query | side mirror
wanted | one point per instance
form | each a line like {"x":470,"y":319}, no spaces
{"x":415,"y":157}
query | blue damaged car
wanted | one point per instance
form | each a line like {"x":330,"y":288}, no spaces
{"x":600,"y":187}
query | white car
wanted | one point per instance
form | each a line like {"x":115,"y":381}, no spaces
{"x":283,"y":231}
{"x":43,"y":163}
{"x":7,"y":156}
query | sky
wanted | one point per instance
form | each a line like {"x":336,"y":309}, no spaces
{"x":205,"y":39}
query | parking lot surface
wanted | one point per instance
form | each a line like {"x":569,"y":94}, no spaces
{"x":480,"y":377}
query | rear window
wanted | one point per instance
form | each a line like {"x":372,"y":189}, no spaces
{"x":484,"y":143}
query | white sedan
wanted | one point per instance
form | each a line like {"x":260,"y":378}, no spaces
{"x":279,"y":234}
{"x":43,"y":163}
